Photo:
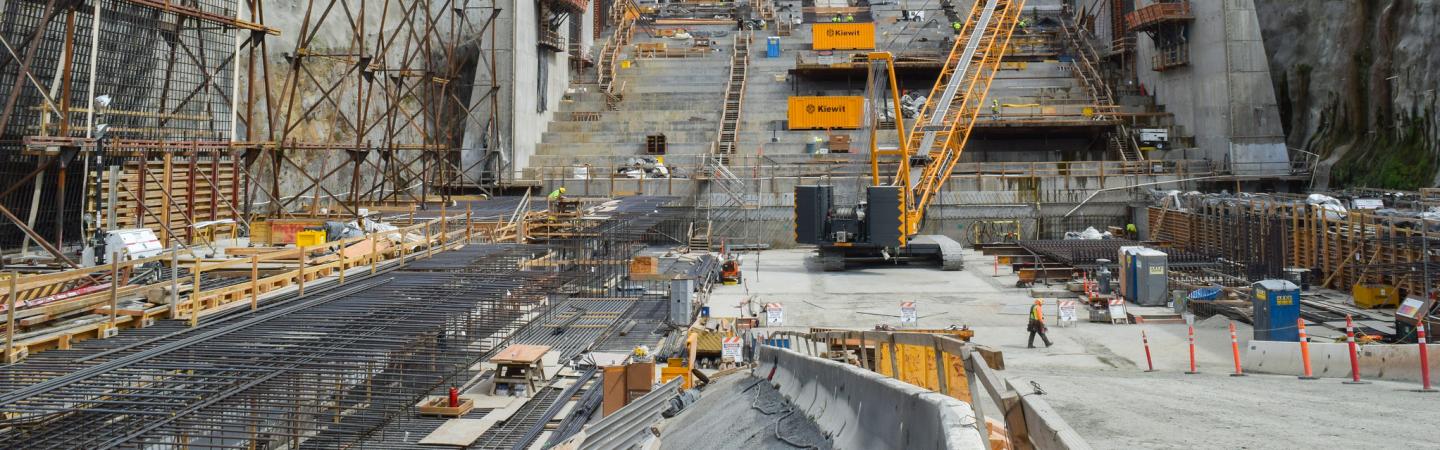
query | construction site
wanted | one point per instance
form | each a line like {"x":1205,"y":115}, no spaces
{"x":748,"y":224}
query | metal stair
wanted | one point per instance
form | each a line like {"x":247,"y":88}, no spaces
{"x":732,"y":186}
{"x":1122,"y":141}
{"x":623,"y":14}
{"x":734,"y":97}
{"x":699,"y":238}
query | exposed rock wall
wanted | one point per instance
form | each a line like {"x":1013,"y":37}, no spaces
{"x":1356,"y":81}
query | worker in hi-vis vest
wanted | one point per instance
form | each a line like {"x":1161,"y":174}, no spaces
{"x":557,"y":194}
{"x":1037,"y":324}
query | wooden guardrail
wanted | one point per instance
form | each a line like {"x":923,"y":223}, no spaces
{"x":187,"y":299}
{"x":952,"y":367}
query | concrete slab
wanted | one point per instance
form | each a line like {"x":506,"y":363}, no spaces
{"x":1093,"y":375}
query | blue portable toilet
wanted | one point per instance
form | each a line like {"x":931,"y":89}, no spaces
{"x":772,"y":47}
{"x":1277,"y":307}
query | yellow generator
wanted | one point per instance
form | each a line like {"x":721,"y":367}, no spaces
{"x":1376,"y":296}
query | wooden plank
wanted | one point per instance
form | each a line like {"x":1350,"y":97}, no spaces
{"x":459,"y":432}
{"x":521,"y":354}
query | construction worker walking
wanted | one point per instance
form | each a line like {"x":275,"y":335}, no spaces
{"x":956,"y":26}
{"x":994,"y":109}
{"x":1037,"y":324}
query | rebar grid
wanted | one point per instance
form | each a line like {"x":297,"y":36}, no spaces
{"x":342,"y":364}
{"x":1083,"y":253}
{"x":348,"y":366}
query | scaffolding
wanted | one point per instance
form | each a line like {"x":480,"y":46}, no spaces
{"x":168,"y":115}
{"x":1168,"y":24}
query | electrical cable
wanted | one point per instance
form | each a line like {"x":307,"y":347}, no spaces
{"x":787,"y":440}
{"x":788,"y":410}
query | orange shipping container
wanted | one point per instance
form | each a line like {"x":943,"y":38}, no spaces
{"x":843,"y":36}
{"x":819,"y":113}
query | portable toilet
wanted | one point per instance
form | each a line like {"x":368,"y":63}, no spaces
{"x":1144,"y":276}
{"x":772,"y":47}
{"x":1277,"y":307}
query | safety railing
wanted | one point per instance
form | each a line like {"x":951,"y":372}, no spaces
{"x":336,"y":257}
{"x":951,"y":367}
{"x":251,"y":273}
{"x":624,"y":13}
{"x":1158,"y":13}
{"x":602,"y":177}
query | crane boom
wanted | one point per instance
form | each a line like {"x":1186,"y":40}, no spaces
{"x":884,"y":226}
{"x":944,"y":124}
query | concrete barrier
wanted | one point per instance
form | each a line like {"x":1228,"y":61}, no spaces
{"x":860,"y":409}
{"x":1396,"y":362}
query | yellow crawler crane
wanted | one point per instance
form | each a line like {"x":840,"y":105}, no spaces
{"x":885,"y":226}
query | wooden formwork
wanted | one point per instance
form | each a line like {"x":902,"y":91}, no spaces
{"x":1340,"y":250}
{"x":172,"y":193}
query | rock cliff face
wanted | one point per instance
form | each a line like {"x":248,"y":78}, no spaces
{"x":1356,"y":82}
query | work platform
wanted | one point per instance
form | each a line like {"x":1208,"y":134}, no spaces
{"x":334,"y":367}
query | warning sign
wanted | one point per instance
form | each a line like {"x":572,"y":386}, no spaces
{"x":774,"y":314}
{"x":731,"y":349}
{"x":1068,"y":312}
{"x":1117,"y":311}
{"x":907,"y":314}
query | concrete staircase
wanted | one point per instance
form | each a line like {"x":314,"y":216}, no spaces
{"x":681,"y":98}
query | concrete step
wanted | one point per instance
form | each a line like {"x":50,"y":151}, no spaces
{"x":619,"y":126}
{"x":657,"y":96}
{"x":671,"y":136}
{"x":558,"y":148}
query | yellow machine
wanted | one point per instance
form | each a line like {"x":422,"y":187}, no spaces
{"x":309,"y":238}
{"x":1376,"y":296}
{"x":885,"y":227}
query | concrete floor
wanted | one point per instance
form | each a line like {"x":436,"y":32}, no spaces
{"x":1093,"y":375}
